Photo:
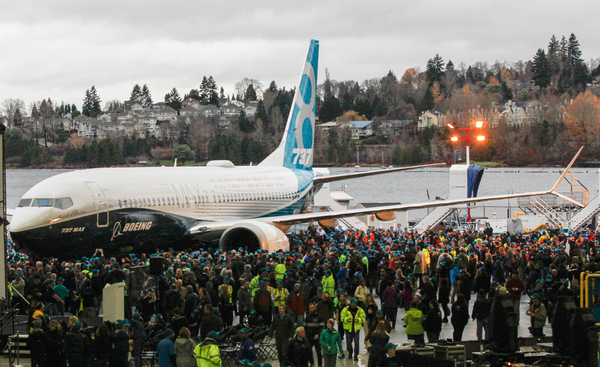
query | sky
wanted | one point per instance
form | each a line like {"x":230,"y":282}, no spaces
{"x":59,"y":49}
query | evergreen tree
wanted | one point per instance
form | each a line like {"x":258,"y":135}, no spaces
{"x":204,"y":91}
{"x":17,"y":118}
{"x":136,"y":93}
{"x":245,"y":124}
{"x":573,"y":50}
{"x":261,"y":114}
{"x":96,"y":108}
{"x":34,"y":112}
{"x":250,"y":94}
{"x":428,"y":101}
{"x":541,"y":69}
{"x":146,"y":97}
{"x":554,"y":56}
{"x":173,"y":100}
{"x":434,"y":70}
{"x":222,"y":93}
{"x":505,"y":92}
{"x":272,"y":87}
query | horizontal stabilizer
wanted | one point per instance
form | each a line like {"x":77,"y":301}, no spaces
{"x":347,"y":176}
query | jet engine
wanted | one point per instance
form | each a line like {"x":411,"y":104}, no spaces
{"x":254,"y":235}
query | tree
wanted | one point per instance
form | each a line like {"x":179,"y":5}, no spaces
{"x":136,"y":93}
{"x":250,"y":94}
{"x":434,"y":70}
{"x":173,"y":100}
{"x":183,"y":153}
{"x":242,"y":86}
{"x":428,"y":100}
{"x":541,"y":69}
{"x":505,"y":92}
{"x":582,"y":120}
{"x":91,"y":103}
{"x":245,"y":124}
{"x":146,"y":97}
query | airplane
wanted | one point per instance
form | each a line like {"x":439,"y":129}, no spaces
{"x":133,"y":210}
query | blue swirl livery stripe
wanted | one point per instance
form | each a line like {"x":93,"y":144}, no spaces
{"x":299,"y":138}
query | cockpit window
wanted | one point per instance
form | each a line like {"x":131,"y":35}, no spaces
{"x":58,"y":203}
{"x":43,"y":203}
{"x":24,"y":202}
{"x":67,"y":203}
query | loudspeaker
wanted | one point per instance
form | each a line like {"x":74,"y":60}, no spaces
{"x":504,"y":325}
{"x":584,"y":337}
{"x":563,"y":311}
{"x":156,"y":266}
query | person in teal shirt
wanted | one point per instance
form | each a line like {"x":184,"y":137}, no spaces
{"x":61,"y":292}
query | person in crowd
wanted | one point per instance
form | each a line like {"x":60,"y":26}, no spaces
{"x":460,"y":317}
{"x":482,"y":309}
{"x":247,"y":349}
{"x":389,"y":304}
{"x":36,"y":342}
{"x":165,"y":350}
{"x":432,"y":324}
{"x":184,"y":349}
{"x":122,"y":344}
{"x":282,"y":329}
{"x":377,"y":342}
{"x":102,"y":346}
{"x":391,"y":359}
{"x":353,"y":318}
{"x":314,"y":325}
{"x":207,"y":353}
{"x":414,"y":323}
{"x":77,"y":346}
{"x":537,"y":313}
{"x":299,"y":353}
{"x":331,"y":342}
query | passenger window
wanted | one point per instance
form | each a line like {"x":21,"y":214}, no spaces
{"x":177,"y":200}
{"x":42,"y":203}
{"x":163,"y":201}
{"x":154,"y":201}
{"x":24,"y":202}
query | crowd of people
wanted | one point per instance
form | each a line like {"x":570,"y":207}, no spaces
{"x":331,"y":285}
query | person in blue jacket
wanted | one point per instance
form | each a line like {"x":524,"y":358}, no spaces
{"x":247,"y":350}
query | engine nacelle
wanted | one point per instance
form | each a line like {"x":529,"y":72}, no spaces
{"x":385,"y":216}
{"x":254,"y":235}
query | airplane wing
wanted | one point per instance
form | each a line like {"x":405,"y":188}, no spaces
{"x":344,"y":176}
{"x":306,"y":217}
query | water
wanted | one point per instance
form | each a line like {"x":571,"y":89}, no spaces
{"x":405,"y":187}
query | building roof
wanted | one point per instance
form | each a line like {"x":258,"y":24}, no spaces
{"x":360,"y":124}
{"x":340,"y":196}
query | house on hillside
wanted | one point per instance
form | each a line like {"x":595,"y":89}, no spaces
{"x":164,"y":114}
{"x":231,"y":109}
{"x":190,"y":111}
{"x":429,"y":119}
{"x":514,"y":113}
{"x":389,"y":128}
{"x":326,"y":126}
{"x":359,"y":129}
{"x":210,"y":110}
{"x":251,"y":108}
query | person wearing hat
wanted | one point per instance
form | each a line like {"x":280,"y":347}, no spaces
{"x":328,"y":283}
{"x":77,"y":346}
{"x":36,"y":342}
{"x":482,"y":309}
{"x":297,"y":304}
{"x":353,"y":318}
{"x":314,"y":325}
{"x":515,"y":287}
{"x":165,"y":350}
{"x":208,"y":353}
{"x":247,"y":349}
{"x":244,"y":297}
{"x":331,"y":341}
{"x":537,"y":312}
{"x":121,"y":344}
{"x":460,"y":317}
{"x":263,"y":303}
{"x":390,"y":359}
{"x":282,"y":329}
{"x":62,"y":292}
{"x":279,"y":295}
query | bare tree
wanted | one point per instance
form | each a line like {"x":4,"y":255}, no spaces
{"x":242,"y":86}
{"x":10,"y":106}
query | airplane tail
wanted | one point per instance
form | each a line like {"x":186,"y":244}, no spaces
{"x":296,"y":148}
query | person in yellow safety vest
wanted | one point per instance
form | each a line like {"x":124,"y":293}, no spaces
{"x":353,"y":318}
{"x":254,"y":286}
{"x":279,"y":295}
{"x":208,"y":353}
{"x":328,"y":283}
{"x":427,"y":254}
{"x":280,"y":269}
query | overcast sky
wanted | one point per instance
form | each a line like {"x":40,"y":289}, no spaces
{"x":60,"y":48}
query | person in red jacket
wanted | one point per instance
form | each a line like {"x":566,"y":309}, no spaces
{"x":297,"y":304}
{"x":515,"y":287}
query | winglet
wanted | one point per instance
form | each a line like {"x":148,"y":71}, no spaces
{"x":555,"y":187}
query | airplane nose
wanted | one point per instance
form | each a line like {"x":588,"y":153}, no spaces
{"x":29,"y":218}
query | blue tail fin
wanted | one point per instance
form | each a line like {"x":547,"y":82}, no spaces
{"x":296,"y":148}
